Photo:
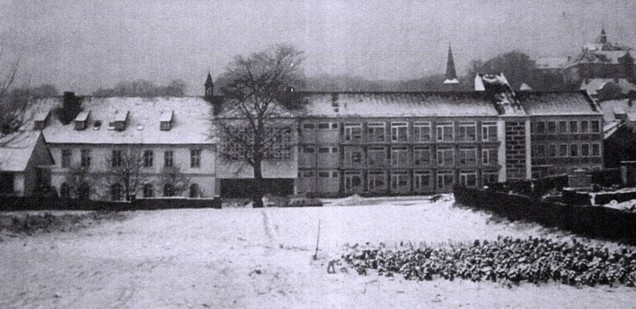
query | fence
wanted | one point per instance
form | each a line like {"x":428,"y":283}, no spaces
{"x":591,"y":221}
{"x":13,"y":203}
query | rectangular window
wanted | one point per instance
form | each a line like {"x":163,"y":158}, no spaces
{"x":377,"y":181}
{"x":563,"y":127}
{"x":377,"y":156}
{"x":168,"y":158}
{"x":85,"y":157}
{"x":376,"y":131}
{"x":585,"y":150}
{"x":468,"y":156}
{"x":165,"y":126}
{"x":399,"y":132}
{"x":540,"y":127}
{"x":468,"y":178}
{"x":489,"y":177}
{"x":489,"y":131}
{"x":323,"y":125}
{"x":308,"y":126}
{"x":485,"y":156}
{"x":195,"y":158}
{"x":422,"y":156}
{"x":445,"y":157}
{"x":309,"y":149}
{"x":445,"y":180}
{"x":574,"y":150}
{"x":552,"y":127}
{"x":444,"y":131}
{"x":66,"y":158}
{"x":421,"y":180}
{"x":422,"y":131}
{"x":399,"y":156}
{"x":323,"y":174}
{"x":148,"y":158}
{"x":467,"y":131}
{"x":596,"y":126}
{"x":596,"y":150}
{"x":353,"y":132}
{"x":585,"y":126}
{"x":323,"y":150}
{"x":552,"y":150}
{"x":308,"y":174}
{"x":574,"y":126}
{"x":353,"y":157}
{"x":540,"y":150}
{"x":563,"y":150}
{"x":334,"y":149}
{"x":116,"y":159}
{"x":334,"y":126}
{"x":399,"y":181}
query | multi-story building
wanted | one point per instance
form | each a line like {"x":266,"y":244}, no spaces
{"x":163,"y":136}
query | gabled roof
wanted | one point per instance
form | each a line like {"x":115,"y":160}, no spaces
{"x":16,"y":150}
{"x":558,"y":103}
{"x":612,"y":107}
{"x":190,"y":124}
{"x":398,"y":104}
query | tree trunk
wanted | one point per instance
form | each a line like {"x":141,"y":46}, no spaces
{"x":258,"y":191}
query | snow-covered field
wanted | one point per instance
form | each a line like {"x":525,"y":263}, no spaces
{"x":243,"y":257}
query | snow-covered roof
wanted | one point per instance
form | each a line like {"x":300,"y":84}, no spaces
{"x":82,"y":116}
{"x":557,"y":103}
{"x":16,"y":150}
{"x":594,"y":84}
{"x":398,"y":104}
{"x":611,"y":108}
{"x":191,"y":121}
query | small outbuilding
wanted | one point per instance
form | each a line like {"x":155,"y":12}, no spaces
{"x":24,"y":163}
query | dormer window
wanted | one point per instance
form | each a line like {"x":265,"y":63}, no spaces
{"x":40,"y":120}
{"x":81,"y":120}
{"x":166,"y":121}
{"x":120,"y":120}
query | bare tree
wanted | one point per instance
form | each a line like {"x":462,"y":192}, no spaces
{"x":172,"y":181}
{"x":256,"y":124}
{"x":125,"y":172}
{"x":13,"y":105}
{"x":77,"y":179}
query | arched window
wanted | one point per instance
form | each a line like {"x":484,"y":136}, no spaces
{"x":148,"y":190}
{"x":194,"y":190}
{"x":65,"y":190}
{"x":84,"y":191}
{"x":115,"y":192}
{"x":168,"y":190}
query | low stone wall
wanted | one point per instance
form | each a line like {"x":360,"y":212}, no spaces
{"x":14,"y":203}
{"x":591,"y":221}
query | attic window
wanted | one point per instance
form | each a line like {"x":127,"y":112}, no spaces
{"x":97,"y":124}
{"x":166,"y":121}
{"x":81,"y":120}
{"x":40,"y":120}
{"x":120,"y":120}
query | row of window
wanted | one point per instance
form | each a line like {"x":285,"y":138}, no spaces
{"x":422,"y":131}
{"x":566,"y":126}
{"x":321,"y":126}
{"x":121,"y":158}
{"x":567,"y":150}
{"x":401,"y":156}
{"x":401,"y":180}
{"x":117,"y":191}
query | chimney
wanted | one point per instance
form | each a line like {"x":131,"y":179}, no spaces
{"x":71,"y":106}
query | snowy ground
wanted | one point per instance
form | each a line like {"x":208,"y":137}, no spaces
{"x":243,"y":257}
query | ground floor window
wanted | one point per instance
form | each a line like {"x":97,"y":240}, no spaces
{"x":445,"y":180}
{"x":148,"y":190}
{"x":194,"y":190}
{"x":115,"y":192}
{"x":168,"y":190}
{"x":489,"y":177}
{"x":353,"y":182}
{"x":377,"y":181}
{"x":84,"y":191}
{"x":400,"y":182}
{"x":468,"y":178}
{"x":65,"y":190}
{"x":421,"y":181}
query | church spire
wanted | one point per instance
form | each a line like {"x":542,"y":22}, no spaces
{"x":603,"y":38}
{"x":451,"y":74}
{"x":209,"y":88}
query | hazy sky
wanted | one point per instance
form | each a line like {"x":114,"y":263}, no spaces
{"x":82,"y":45}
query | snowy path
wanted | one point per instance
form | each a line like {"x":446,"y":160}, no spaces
{"x":260,"y":258}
